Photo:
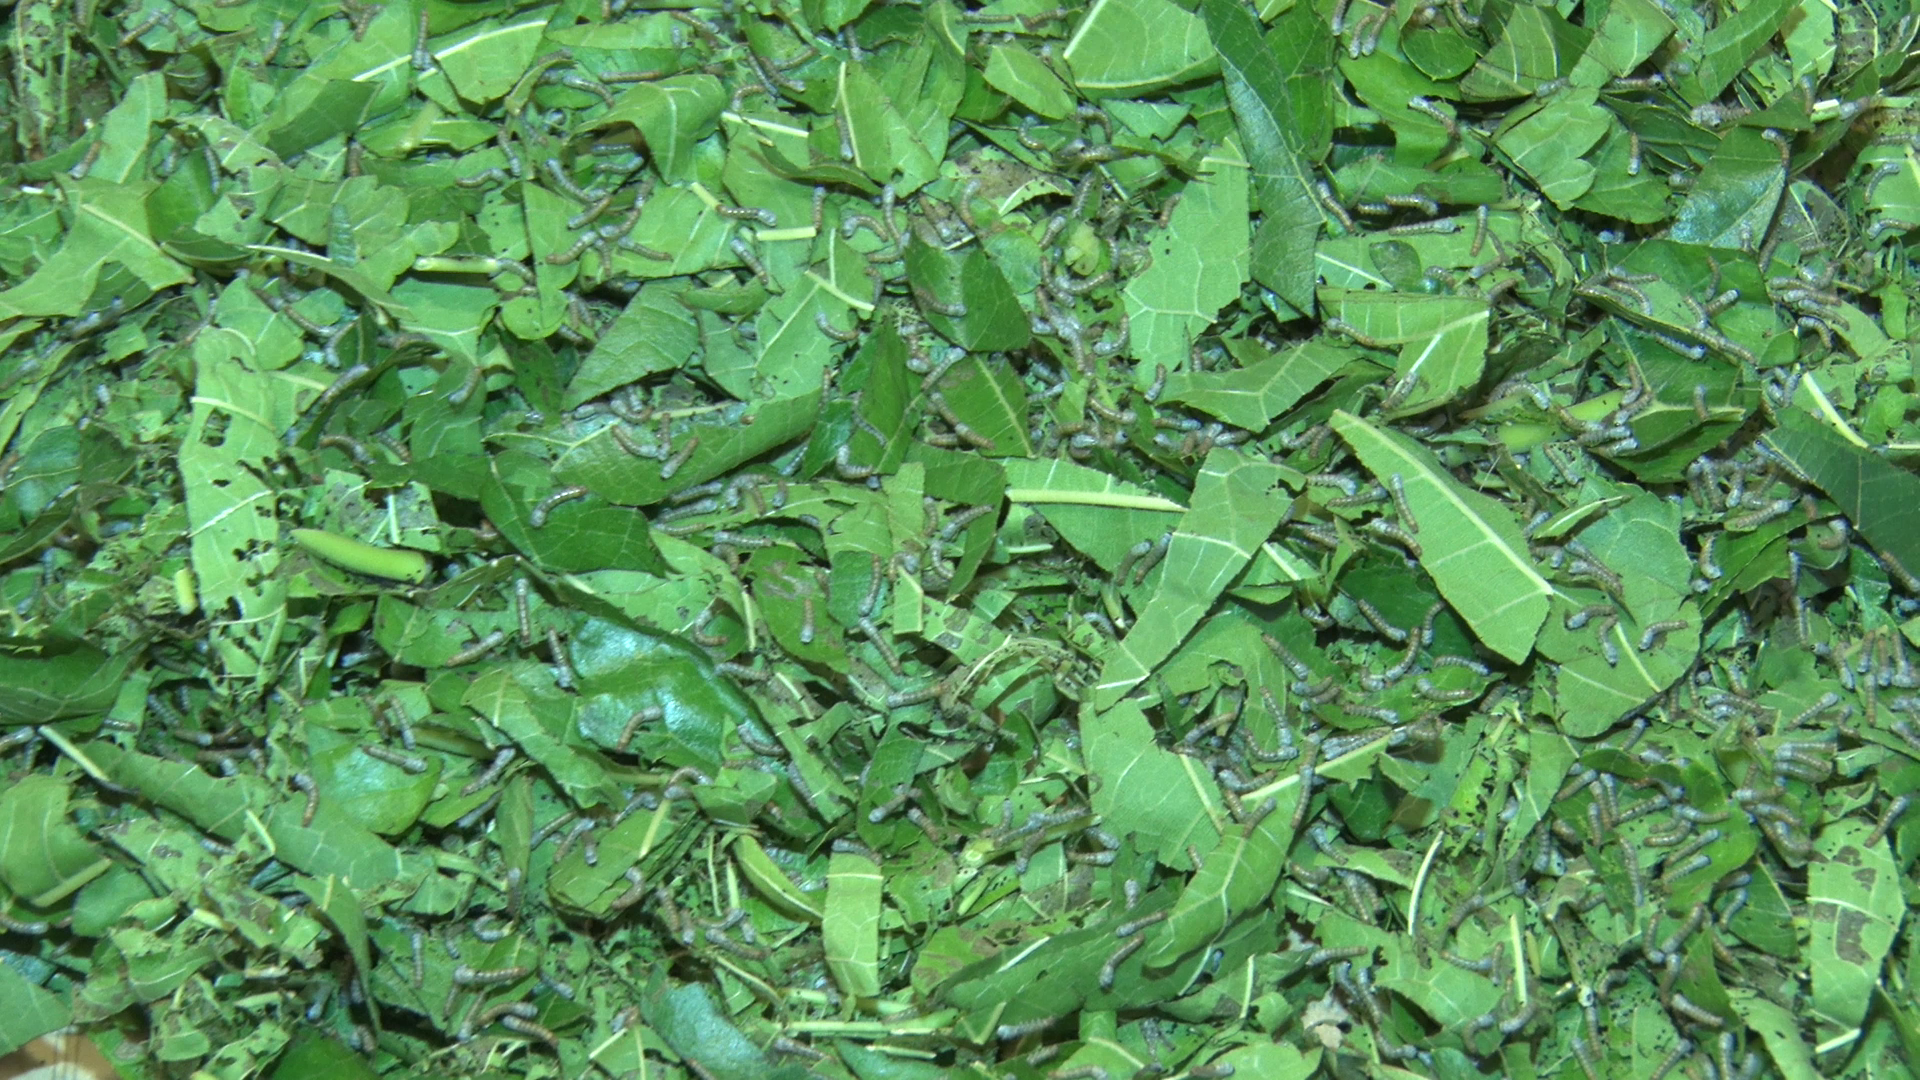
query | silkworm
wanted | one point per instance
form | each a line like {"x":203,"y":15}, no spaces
{"x":1388,"y":530}
{"x":413,"y":765}
{"x":537,"y":517}
{"x":1397,"y":488}
{"x":1519,"y":1020}
{"x":1129,"y":929}
{"x":1010,"y":1032}
{"x":1681,"y":1004}
{"x":1324,"y":192}
{"x":649,"y":714}
{"x":468,"y":976}
{"x":305,"y":784}
{"x":1769,"y":512}
{"x":134,"y":34}
{"x":673,"y":464}
{"x":484,"y":929}
{"x":562,"y":663}
{"x":1887,"y":820}
{"x":422,"y":56}
{"x":1655,"y":631}
{"x":522,"y":1026}
{"x":29,"y":929}
{"x":1583,"y":1053}
{"x":1442,"y":226}
{"x":636,"y":892}
{"x":908,"y":698}
{"x":844,"y":466}
{"x":1691,"y":866}
{"x":1372,"y":615}
{"x":500,"y":761}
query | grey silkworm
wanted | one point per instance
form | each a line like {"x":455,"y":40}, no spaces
{"x":523,"y":610}
{"x":1128,"y":929}
{"x":562,"y":664}
{"x":1397,"y":488}
{"x":537,"y":517}
{"x":1010,"y":1032}
{"x":1887,"y":820}
{"x":415,"y":765}
{"x":479,"y":813}
{"x":1655,"y":631}
{"x":468,"y":976}
{"x":305,"y":784}
{"x":1331,"y":204}
{"x":674,"y":464}
{"x":1440,"y":226}
{"x":478,"y":649}
{"x":500,"y":761}
{"x":1681,"y":1004}
{"x":649,"y":714}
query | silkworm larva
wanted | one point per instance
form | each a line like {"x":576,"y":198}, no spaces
{"x":649,"y":714}
{"x":305,"y":784}
{"x":500,"y":761}
{"x":468,"y":976}
{"x":537,"y":517}
{"x":1655,"y":631}
{"x":413,"y":765}
{"x":1010,"y":1032}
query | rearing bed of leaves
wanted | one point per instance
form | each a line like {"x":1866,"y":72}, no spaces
{"x":827,"y":539}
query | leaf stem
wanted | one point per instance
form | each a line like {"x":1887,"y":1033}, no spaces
{"x":1095,"y":498}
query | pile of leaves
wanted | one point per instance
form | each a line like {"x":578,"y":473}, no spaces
{"x":1135,"y":539}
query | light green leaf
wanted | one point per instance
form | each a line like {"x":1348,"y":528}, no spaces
{"x":1469,"y":543}
{"x":1125,"y":48}
{"x":1237,"y":502}
{"x":850,"y":931}
{"x":1879,"y":498}
{"x":1443,"y":340}
{"x":1166,"y":801}
{"x":1113,"y":516}
{"x":1019,"y":74}
{"x":1237,"y":878}
{"x":43,"y":857}
{"x":1199,"y":264}
{"x":673,"y":114}
{"x":1855,"y":905}
{"x":1263,"y":386}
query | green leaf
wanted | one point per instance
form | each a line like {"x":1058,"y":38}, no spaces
{"x":1855,"y":906}
{"x":1020,"y":75}
{"x":654,"y":333}
{"x":43,"y":858}
{"x":850,"y":930}
{"x":988,"y":398}
{"x":1469,"y":542}
{"x":1098,"y":514}
{"x":1130,"y":47}
{"x":1736,"y":196}
{"x":971,"y":303}
{"x":1443,"y":341}
{"x":31,"y":1012}
{"x":1164,"y":800}
{"x":672,"y":114}
{"x":1264,"y":387}
{"x":1199,"y":264}
{"x":1237,"y":878}
{"x":1879,"y":498}
{"x":1280,"y":110}
{"x":1236,"y":505}
{"x":48,"y":681}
